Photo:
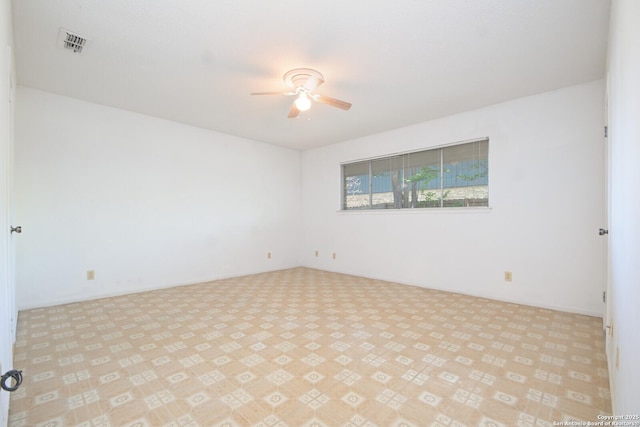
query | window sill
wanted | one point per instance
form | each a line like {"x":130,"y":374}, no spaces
{"x":413,"y":211}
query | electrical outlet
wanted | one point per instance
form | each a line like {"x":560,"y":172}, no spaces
{"x":268,"y":255}
{"x":91,"y":274}
{"x":316,"y":253}
{"x":334,"y":255}
{"x":508,"y":276}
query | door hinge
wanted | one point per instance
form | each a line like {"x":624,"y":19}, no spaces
{"x":606,"y":131}
{"x":604,"y":296}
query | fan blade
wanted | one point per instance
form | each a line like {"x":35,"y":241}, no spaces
{"x":294,"y":112}
{"x":332,"y":101}
{"x":273,"y":93}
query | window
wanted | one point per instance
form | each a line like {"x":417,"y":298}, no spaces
{"x":452,"y":176}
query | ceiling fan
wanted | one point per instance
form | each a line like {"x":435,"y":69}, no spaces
{"x":304,"y":81}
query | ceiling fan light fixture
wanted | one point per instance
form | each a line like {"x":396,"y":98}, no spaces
{"x":303,"y":103}
{"x":304,"y":82}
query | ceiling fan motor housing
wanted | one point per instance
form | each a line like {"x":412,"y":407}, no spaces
{"x":303,"y":77}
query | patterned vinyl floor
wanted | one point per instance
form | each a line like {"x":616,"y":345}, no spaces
{"x":303,"y":347}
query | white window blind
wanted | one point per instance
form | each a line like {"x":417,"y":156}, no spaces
{"x":456,"y":175}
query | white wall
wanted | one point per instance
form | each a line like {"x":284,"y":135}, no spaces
{"x":7,"y":303}
{"x":624,"y":216}
{"x":147,"y":202}
{"x":546,"y":196}
{"x":144,"y":202}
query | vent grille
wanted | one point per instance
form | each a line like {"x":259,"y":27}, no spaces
{"x":71,"y":41}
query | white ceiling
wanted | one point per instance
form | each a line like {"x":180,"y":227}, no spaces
{"x":399,"y":62}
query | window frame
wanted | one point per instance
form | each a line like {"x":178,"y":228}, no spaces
{"x":435,"y":148}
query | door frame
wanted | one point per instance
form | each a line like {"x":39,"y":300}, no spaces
{"x":608,"y":318}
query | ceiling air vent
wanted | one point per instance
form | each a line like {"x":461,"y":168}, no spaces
{"x":71,"y":41}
